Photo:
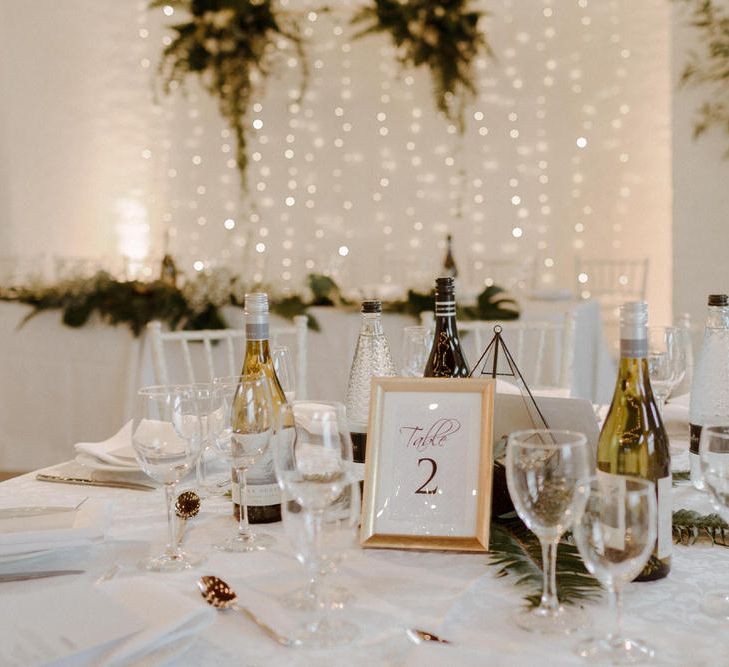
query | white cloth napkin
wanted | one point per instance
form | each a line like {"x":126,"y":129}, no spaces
{"x":117,"y":450}
{"x":54,"y":531}
{"x":168,"y":617}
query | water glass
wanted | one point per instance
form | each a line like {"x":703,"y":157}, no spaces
{"x":666,"y":361}
{"x":167,"y":441}
{"x":714,"y":459}
{"x":243,"y":431}
{"x":416,"y":344}
{"x":283,"y":364}
{"x":313,"y":462}
{"x":546,"y":472}
{"x":615,"y":537}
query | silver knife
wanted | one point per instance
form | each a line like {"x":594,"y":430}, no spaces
{"x":26,"y":576}
{"x":136,"y":486}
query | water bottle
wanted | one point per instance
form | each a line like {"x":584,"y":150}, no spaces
{"x":710,"y":386}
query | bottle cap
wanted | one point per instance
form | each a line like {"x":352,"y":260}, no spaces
{"x":256,"y":303}
{"x":444,"y":284}
{"x":372,"y":306}
{"x":633,"y":331}
{"x":718,"y":300}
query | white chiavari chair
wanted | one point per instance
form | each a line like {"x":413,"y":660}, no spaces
{"x":612,"y":281}
{"x":215,"y":352}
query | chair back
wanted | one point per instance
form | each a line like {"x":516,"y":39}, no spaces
{"x":542,"y":349}
{"x":612,"y":281}
{"x":220,"y":352}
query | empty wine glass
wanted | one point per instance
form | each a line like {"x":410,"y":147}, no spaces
{"x":243,"y":430}
{"x":546,"y":472}
{"x":167,"y":441}
{"x":666,"y":361}
{"x":615,"y":536}
{"x":714,"y":458}
{"x":313,"y":461}
{"x":284,"y":366}
{"x":416,"y":344}
{"x":339,"y":535}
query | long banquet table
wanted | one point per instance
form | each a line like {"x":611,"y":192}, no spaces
{"x":59,"y":385}
{"x":457,"y":596}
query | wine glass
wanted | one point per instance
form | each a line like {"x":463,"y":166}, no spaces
{"x":243,"y":431}
{"x":615,"y":537}
{"x":546,"y":472}
{"x":167,"y":441}
{"x":714,"y":458}
{"x":416,"y":344}
{"x":313,"y":460}
{"x":284,"y":366}
{"x":666,"y":361}
{"x":339,"y":535}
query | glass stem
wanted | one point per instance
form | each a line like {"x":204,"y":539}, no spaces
{"x":318,"y":592}
{"x":200,"y":473}
{"x":549,"y":563}
{"x":244,"y":528}
{"x":616,"y":602}
{"x":172,"y":550}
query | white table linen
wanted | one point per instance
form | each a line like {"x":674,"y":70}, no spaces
{"x":457,"y":596}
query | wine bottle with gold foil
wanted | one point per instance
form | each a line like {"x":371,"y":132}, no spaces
{"x":446,"y":358}
{"x":633,"y":440}
{"x":263,"y":493}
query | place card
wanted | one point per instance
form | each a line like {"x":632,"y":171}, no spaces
{"x":429,"y":464}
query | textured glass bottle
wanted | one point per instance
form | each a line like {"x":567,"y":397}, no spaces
{"x":446,"y":358}
{"x":264,"y":495}
{"x":371,"y":359}
{"x":633,"y":440}
{"x":710,"y":386}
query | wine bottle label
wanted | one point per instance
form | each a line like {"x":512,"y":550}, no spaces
{"x":633,"y":348}
{"x":256,"y":330}
{"x":614,"y":532}
{"x":258,"y":495}
{"x":665,"y":512}
{"x":695,"y":438}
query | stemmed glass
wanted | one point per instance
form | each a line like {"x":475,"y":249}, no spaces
{"x":615,"y":537}
{"x":416,"y":344}
{"x":714,"y":458}
{"x":546,"y":472}
{"x":666,"y":361}
{"x":243,"y":431}
{"x":284,"y":366}
{"x":313,"y":461}
{"x":339,"y":534}
{"x":167,"y":441}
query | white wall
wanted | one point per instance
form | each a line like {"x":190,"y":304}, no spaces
{"x":700,"y":194}
{"x":79,"y":134}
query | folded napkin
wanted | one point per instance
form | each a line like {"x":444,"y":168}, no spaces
{"x":54,"y":531}
{"x":117,"y":450}
{"x":168,"y":617}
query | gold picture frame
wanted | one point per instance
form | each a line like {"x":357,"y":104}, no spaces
{"x":396,"y":440}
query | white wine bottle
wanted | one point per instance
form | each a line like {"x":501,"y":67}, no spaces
{"x":263,"y":493}
{"x":633,"y":440}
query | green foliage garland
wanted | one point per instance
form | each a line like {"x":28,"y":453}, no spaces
{"x":442,"y":35}
{"x":231,"y":45}
{"x":708,"y":68}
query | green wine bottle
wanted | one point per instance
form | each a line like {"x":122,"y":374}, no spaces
{"x":633,"y":440}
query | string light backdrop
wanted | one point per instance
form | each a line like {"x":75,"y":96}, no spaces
{"x":566,"y":152}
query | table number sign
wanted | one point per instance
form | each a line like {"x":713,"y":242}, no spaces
{"x":429,"y":464}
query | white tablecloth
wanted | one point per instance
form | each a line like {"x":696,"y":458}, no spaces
{"x":456,"y":596}
{"x":59,"y":386}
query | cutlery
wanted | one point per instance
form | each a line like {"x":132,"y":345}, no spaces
{"x":221,"y":596}
{"x":109,"y":574}
{"x":26,"y":576}
{"x":136,"y":486}
{"x":187,"y":506}
{"x":25,"y":512}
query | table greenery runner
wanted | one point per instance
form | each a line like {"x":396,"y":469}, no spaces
{"x":233,"y":46}
{"x":198,"y":303}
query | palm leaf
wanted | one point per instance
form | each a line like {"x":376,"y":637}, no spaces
{"x":516,"y":551}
